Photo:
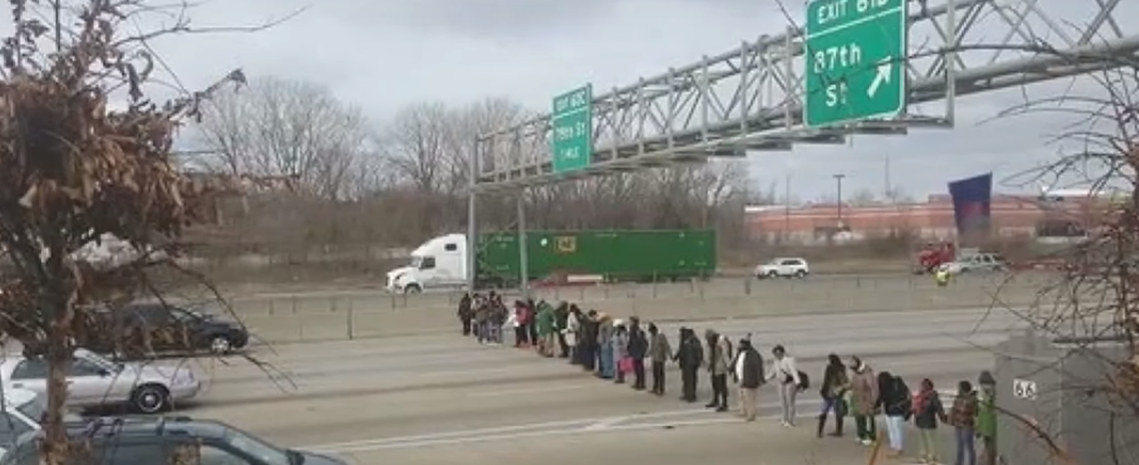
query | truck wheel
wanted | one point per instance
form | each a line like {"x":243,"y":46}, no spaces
{"x":412,"y":289}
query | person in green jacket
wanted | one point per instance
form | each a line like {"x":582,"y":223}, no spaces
{"x":547,"y":329}
{"x":987,"y":418}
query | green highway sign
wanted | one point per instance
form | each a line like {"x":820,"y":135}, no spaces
{"x":855,"y":57}
{"x":572,"y":122}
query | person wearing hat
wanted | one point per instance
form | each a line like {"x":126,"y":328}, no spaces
{"x":747,"y":370}
{"x":719,"y":359}
{"x":690,"y":356}
{"x":987,"y":417}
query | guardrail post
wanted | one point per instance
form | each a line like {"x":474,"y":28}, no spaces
{"x":747,"y":286}
{"x":654,"y":284}
{"x":294,"y":305}
{"x":351,"y":320}
{"x":272,"y":310}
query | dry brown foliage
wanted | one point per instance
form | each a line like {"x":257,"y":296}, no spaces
{"x":75,"y":167}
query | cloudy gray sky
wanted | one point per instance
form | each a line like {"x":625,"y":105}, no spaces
{"x":384,"y":54}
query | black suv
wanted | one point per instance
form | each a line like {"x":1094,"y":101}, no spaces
{"x":165,"y":329}
{"x":118,"y":441}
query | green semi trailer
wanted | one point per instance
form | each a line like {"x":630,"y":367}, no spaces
{"x":617,"y":255}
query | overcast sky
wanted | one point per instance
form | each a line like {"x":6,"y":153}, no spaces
{"x":384,"y":54}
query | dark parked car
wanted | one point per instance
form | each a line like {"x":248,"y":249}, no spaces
{"x":136,"y":329}
{"x":117,"y":441}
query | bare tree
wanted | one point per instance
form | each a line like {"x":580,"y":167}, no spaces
{"x":278,"y":127}
{"x":862,"y":198}
{"x":72,"y":171}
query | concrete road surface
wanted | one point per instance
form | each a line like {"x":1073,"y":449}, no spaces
{"x":446,"y":399}
{"x":361,"y":314}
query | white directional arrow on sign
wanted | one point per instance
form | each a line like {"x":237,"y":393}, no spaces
{"x":881,"y":77}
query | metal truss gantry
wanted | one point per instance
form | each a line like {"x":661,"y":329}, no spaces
{"x":751,"y":98}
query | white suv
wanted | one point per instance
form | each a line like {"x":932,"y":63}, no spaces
{"x":783,"y":267}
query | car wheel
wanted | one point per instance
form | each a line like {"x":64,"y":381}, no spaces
{"x":151,"y":398}
{"x":772,"y":274}
{"x":412,"y":289}
{"x":800,"y":274}
{"x":220,"y":345}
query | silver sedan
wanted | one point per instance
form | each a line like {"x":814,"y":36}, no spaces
{"x":95,"y":382}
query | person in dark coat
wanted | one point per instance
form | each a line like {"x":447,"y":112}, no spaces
{"x":561,"y":318}
{"x":833,"y":392}
{"x":466,"y":314}
{"x":895,"y":401}
{"x":532,"y":325}
{"x":637,"y":349}
{"x":928,"y":412}
{"x":747,"y":370}
{"x":690,"y":356}
{"x":587,"y":347}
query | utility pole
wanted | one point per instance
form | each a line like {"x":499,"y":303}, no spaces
{"x":787,"y":206}
{"x":838,"y":184}
{"x":889,"y":188}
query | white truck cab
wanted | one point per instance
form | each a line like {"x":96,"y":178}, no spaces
{"x":439,"y":263}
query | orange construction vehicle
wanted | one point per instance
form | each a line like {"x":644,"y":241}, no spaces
{"x":933,"y":255}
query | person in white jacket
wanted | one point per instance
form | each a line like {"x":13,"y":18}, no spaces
{"x":785,"y":375}
{"x":571,"y":332}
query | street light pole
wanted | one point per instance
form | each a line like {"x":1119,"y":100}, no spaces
{"x":838,"y":182}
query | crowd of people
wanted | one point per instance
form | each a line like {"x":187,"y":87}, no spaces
{"x":616,"y":349}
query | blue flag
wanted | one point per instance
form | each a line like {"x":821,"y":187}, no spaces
{"x":972,"y":199}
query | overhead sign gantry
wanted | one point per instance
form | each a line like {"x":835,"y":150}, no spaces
{"x":767,"y":95}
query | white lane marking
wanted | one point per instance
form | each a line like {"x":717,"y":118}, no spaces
{"x":585,"y":424}
{"x":540,"y":390}
{"x":541,"y":433}
{"x":581,"y":422}
{"x":606,"y":423}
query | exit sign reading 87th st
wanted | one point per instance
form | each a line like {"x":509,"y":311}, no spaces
{"x":855,"y":58}
{"x":572,"y":126}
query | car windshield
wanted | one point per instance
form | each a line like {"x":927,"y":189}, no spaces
{"x":184,"y":315}
{"x":33,"y":409}
{"x":97,"y":360}
{"x":265,"y":452}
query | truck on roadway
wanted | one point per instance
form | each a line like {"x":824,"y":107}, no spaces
{"x":615,"y":255}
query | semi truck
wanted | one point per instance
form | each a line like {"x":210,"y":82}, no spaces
{"x":617,"y":255}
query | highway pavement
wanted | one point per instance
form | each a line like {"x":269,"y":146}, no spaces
{"x":312,"y":317}
{"x":443,"y":398}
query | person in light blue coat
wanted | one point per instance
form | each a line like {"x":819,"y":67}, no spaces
{"x":605,"y":365}
{"x":620,"y":343}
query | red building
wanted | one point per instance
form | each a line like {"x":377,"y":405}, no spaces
{"x":1012,"y":215}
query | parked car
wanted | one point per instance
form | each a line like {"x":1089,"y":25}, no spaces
{"x":96,"y":382}
{"x":783,"y":267}
{"x":164,"y":329}
{"x":976,"y":262}
{"x":117,"y":441}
